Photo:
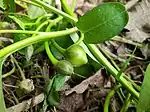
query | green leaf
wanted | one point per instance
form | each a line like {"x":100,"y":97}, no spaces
{"x":52,"y":90}
{"x":23,"y":18}
{"x":103,"y":22}
{"x":29,"y":52}
{"x":19,"y":37}
{"x":2,"y":102}
{"x":144,"y":99}
{"x":34,"y":11}
{"x":16,"y":20}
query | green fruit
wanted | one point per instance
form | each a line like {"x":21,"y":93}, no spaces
{"x":76,"y":55}
{"x":65,"y":67}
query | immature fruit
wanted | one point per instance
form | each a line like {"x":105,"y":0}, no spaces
{"x":76,"y":55}
{"x":65,"y":67}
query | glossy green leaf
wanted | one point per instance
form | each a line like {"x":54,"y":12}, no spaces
{"x":144,"y":99}
{"x":2,"y":102}
{"x":103,"y":22}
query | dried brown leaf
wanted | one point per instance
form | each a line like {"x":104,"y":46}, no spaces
{"x":139,"y":16}
{"x":96,"y":80}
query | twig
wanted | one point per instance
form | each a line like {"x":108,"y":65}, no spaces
{"x":25,"y":105}
{"x":130,"y":4}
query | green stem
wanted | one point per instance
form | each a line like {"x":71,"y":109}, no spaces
{"x":111,"y":69}
{"x":126,"y":103}
{"x":10,"y":72}
{"x":50,"y":55}
{"x":125,"y":65}
{"x":19,"y":31}
{"x":118,"y":69}
{"x":137,"y":87}
{"x":43,"y":24}
{"x":26,"y":42}
{"x":120,"y":96}
{"x":62,"y":50}
{"x":80,"y":39}
{"x":59,"y":12}
{"x":2,"y":102}
{"x":66,"y":8}
{"x":108,"y":98}
{"x":52,"y":40}
{"x":42,"y":17}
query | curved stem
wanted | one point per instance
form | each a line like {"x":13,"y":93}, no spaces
{"x":41,"y":25}
{"x":44,"y":16}
{"x":108,"y":98}
{"x":50,"y":55}
{"x":48,"y":51}
{"x":26,"y":42}
{"x":80,"y":39}
{"x":10,"y":72}
{"x":62,"y":50}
